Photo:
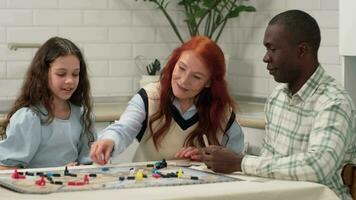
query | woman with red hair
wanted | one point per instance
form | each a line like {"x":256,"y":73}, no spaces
{"x":169,"y":118}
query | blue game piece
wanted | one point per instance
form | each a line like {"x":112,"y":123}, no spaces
{"x":56,"y":175}
{"x":104,"y":169}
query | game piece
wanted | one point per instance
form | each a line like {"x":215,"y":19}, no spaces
{"x":86,"y":179}
{"x":180,"y":173}
{"x":104,"y":169}
{"x":162,"y":175}
{"x":72,"y":183}
{"x":58,"y":182}
{"x":41,"y":181}
{"x":76,"y":183}
{"x":79,"y":183}
{"x":132,"y":171}
{"x":171,"y":175}
{"x":16,"y":175}
{"x":49,"y":178}
{"x":161,"y":164}
{"x":72,"y":175}
{"x":155,"y":175}
{"x":66,"y":171}
{"x":154,"y":171}
{"x":139,"y":175}
{"x":29,"y":174}
{"x":39,"y":174}
{"x":56,"y":175}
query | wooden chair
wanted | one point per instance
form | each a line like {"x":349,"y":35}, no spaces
{"x":349,"y":177}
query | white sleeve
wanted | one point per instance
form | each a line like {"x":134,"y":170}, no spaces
{"x":124,"y":130}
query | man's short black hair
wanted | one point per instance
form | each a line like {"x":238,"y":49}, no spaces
{"x":302,"y":27}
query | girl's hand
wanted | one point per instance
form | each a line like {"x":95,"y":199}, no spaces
{"x":7,"y":167}
{"x":100,"y":151}
{"x":191,"y":153}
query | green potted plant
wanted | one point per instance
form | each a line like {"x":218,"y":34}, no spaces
{"x":153,"y":68}
{"x":150,"y":71}
{"x":204,"y":17}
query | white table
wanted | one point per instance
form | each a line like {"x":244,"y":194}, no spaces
{"x":250,"y":189}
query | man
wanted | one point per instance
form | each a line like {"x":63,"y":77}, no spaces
{"x":310,"y":119}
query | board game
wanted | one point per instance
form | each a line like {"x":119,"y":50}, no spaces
{"x":112,"y":177}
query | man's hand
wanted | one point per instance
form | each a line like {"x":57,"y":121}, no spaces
{"x":220,"y":159}
{"x":100,"y":151}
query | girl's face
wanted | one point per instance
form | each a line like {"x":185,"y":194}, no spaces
{"x":189,"y":77}
{"x":63,"y":77}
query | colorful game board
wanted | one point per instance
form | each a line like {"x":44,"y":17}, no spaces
{"x":113,"y":177}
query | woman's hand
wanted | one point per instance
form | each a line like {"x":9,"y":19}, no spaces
{"x":100,"y":151}
{"x":191,"y":153}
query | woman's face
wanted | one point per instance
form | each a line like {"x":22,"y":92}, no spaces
{"x":189,"y":77}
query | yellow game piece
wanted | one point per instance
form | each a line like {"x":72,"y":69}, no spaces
{"x":180,"y":173}
{"x":139,"y":175}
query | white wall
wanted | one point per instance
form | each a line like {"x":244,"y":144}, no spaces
{"x":112,"y":33}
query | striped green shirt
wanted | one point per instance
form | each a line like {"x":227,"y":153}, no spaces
{"x":310,"y":135}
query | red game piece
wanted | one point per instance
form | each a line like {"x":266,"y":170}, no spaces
{"x":16,"y":175}
{"x":79,"y":183}
{"x":41,"y":181}
{"x":76,"y":183}
{"x":71,"y":183}
{"x":86,"y":179}
{"x":155,"y":175}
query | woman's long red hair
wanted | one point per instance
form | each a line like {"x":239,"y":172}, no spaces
{"x":212,"y":103}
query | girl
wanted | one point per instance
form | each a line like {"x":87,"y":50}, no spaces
{"x":50,"y":123}
{"x":169,"y":118}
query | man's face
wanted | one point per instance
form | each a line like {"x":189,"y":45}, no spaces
{"x":282,"y":55}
